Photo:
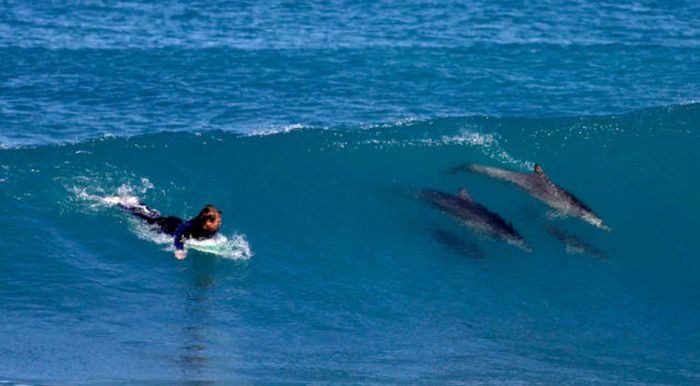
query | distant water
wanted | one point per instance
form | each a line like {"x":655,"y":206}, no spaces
{"x":312,"y":127}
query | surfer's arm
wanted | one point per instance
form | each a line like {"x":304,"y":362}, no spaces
{"x":179,"y":242}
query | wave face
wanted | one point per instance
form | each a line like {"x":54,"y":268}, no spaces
{"x":352,"y":278}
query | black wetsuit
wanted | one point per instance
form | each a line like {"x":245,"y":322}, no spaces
{"x":174,"y":226}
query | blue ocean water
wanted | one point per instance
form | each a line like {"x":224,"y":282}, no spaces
{"x":313,"y":126}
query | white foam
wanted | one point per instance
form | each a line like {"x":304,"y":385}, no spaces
{"x":126,"y":194}
{"x":235,"y":247}
{"x":275,"y":130}
{"x":396,"y":123}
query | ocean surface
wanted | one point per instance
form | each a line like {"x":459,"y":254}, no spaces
{"x":313,"y":126}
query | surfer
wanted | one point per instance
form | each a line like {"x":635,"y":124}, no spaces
{"x":203,"y":226}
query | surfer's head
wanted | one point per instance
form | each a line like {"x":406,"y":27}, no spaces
{"x":210,"y":218}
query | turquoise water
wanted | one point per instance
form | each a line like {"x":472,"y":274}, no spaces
{"x":312,"y":128}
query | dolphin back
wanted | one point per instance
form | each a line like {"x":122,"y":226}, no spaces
{"x":474,"y":215}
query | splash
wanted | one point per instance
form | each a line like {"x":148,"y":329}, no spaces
{"x":96,"y":197}
{"x":235,"y":247}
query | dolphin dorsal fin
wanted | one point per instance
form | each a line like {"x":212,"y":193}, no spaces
{"x":539,"y":171}
{"x":462,"y":194}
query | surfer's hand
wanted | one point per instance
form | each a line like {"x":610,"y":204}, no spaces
{"x":180,"y":254}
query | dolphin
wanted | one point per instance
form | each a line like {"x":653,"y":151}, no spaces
{"x":539,"y":186}
{"x":476,"y":216}
{"x":574,"y":244}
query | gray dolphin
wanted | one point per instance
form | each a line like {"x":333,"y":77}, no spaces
{"x":539,"y":186}
{"x":574,"y":244}
{"x":476,"y":216}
